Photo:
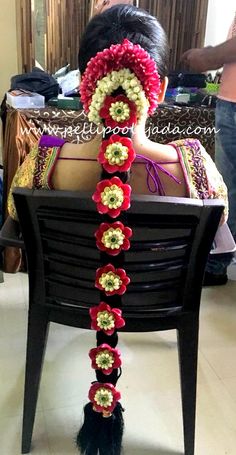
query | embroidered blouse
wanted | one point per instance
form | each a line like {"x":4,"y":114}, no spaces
{"x":203,"y":181}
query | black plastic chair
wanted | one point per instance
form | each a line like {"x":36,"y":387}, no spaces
{"x":171,"y":242}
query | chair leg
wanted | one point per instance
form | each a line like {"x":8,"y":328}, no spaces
{"x":38,"y":324}
{"x":188,"y":355}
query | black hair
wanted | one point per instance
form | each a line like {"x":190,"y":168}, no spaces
{"x":120,"y":22}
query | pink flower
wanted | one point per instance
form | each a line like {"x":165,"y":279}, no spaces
{"x":105,"y":358}
{"x":104,"y":397}
{"x":112,"y":196}
{"x":116,"y":154}
{"x":105,"y":318}
{"x":111,"y":280}
{"x":113,"y":238}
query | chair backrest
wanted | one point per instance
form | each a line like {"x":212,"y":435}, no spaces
{"x":171,"y":241}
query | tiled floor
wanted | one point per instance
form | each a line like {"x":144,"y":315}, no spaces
{"x":149,"y":385}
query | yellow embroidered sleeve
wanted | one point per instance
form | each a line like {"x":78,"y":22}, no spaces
{"x":217,"y":187}
{"x":23,"y":178}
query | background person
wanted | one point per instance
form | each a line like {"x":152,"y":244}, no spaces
{"x":99,"y":6}
{"x":212,"y":58}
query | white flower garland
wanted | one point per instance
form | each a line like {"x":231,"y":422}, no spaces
{"x":125,"y":79}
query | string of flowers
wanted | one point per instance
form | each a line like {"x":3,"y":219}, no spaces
{"x":128,"y":67}
{"x":112,"y":196}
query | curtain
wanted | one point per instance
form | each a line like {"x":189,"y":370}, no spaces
{"x":184,"y":22}
{"x":25,"y":15}
{"x":65,"y":21}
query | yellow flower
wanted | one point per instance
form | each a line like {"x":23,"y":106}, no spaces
{"x":105,"y":320}
{"x":110,"y":282}
{"x":104,"y":360}
{"x":120,"y":111}
{"x":116,"y":153}
{"x":113,"y":238}
{"x":103,"y":397}
{"x":112,"y":197}
{"x":134,"y":97}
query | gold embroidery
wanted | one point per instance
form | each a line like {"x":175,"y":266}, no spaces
{"x":22,"y":178}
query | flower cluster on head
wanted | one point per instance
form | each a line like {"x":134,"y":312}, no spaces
{"x":135,"y":98}
{"x":139,"y":69}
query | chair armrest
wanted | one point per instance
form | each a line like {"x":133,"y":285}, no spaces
{"x":10,"y":234}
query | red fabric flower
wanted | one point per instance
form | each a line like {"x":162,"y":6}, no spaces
{"x":112,"y":196}
{"x":105,"y":358}
{"x":111,"y":280}
{"x":113,"y":237}
{"x":104,"y":397}
{"x":119,"y":111}
{"x":116,"y":154}
{"x":118,"y":56}
{"x":105,"y":318}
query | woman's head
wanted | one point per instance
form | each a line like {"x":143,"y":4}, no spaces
{"x":120,"y":22}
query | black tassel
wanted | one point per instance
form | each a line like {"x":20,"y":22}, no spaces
{"x":101,"y":435}
{"x":88,"y":439}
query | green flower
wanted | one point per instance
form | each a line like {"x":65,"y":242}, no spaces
{"x":113,"y":238}
{"x":105,"y":320}
{"x":112,"y":197}
{"x":119,"y":111}
{"x":116,"y":153}
{"x":103,"y":397}
{"x":110,"y":281}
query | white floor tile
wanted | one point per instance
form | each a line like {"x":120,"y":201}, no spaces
{"x":149,"y":384}
{"x":62,"y":426}
{"x":216,"y":420}
{"x":10,"y":436}
{"x":230,"y":385}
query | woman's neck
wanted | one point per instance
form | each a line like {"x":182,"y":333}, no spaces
{"x":154,"y":150}
{"x":140,"y":140}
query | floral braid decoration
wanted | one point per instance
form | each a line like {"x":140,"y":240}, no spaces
{"x":128,"y":69}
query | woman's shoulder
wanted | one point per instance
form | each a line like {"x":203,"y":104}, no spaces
{"x":48,"y":151}
{"x":192,"y":152}
{"x":197,"y":165}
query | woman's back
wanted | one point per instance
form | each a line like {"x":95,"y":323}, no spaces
{"x":182,"y":169}
{"x":77,"y":168}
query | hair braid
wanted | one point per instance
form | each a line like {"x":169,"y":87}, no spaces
{"x":119,"y":110}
